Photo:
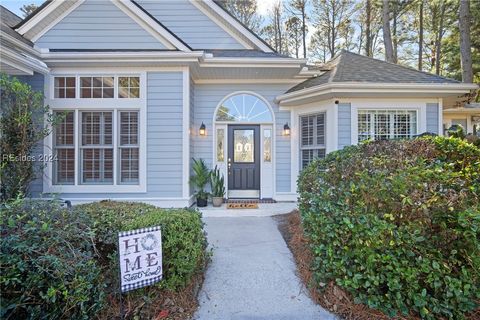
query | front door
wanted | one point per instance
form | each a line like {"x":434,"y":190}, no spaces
{"x":243,"y":161}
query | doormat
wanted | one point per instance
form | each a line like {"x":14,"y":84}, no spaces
{"x":242,"y":205}
{"x":264,"y":200}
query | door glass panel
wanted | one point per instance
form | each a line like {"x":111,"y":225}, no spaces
{"x":220,"y":151}
{"x":243,"y":143}
{"x":267,"y":145}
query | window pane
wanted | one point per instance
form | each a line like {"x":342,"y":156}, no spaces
{"x":64,"y":130}
{"x":382,"y":126}
{"x":267,"y":145}
{"x":243,"y":141}
{"x":321,"y":129}
{"x":128,"y":128}
{"x":220,"y":145}
{"x":129,"y":165}
{"x":307,"y":130}
{"x":97,"y":165}
{"x":64,"y":167}
{"x":64,"y":87}
{"x":128,"y":87}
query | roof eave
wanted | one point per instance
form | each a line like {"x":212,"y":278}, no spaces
{"x":384,"y":88}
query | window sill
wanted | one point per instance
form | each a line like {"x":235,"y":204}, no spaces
{"x":94,"y":189}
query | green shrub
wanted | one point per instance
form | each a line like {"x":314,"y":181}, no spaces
{"x":183,"y":239}
{"x":397,"y":224}
{"x":47,"y":265}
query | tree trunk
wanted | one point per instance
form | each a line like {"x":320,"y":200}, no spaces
{"x":420,"y":38}
{"x":438,"y":45}
{"x":394,"y":33}
{"x":368,"y":40}
{"x":304,"y":31}
{"x":465,"y":44}
{"x":387,"y":35}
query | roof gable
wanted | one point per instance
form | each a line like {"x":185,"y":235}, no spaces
{"x":348,"y":67}
{"x":100,"y":25}
{"x":191,"y":22}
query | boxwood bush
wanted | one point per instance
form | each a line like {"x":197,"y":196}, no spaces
{"x":48,"y":270}
{"x":62,"y":264}
{"x":397,"y":224}
{"x":183,"y":240}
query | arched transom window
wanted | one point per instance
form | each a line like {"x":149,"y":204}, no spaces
{"x":244,"y":107}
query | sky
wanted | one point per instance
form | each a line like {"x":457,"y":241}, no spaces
{"x":15,"y":5}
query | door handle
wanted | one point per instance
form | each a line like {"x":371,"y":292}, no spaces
{"x":229,"y":165}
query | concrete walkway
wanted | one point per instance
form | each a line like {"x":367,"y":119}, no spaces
{"x":252,"y":273}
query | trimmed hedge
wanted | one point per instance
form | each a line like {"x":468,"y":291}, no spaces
{"x":48,"y":270}
{"x":183,"y":240}
{"x":397,"y":224}
{"x":62,"y":264}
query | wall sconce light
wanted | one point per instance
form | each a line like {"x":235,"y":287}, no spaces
{"x":286,"y":130}
{"x":203,"y":130}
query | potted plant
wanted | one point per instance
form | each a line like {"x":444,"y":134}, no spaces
{"x":199,"y":180}
{"x":218,"y":187}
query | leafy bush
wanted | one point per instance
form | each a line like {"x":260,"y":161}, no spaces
{"x":21,"y":128}
{"x":397,"y":224}
{"x":183,"y":240}
{"x":47,"y":265}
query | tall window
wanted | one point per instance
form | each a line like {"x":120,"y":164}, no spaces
{"x":383,"y":124}
{"x":97,"y":147}
{"x":64,"y":149}
{"x":312,"y":138}
{"x":128,"y":146}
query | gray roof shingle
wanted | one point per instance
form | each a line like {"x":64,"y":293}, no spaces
{"x":352,"y":67}
{"x":7,"y":21}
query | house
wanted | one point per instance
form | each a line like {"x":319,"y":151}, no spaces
{"x":137,"y":80}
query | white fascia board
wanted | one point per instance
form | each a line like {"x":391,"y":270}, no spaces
{"x":24,"y":63}
{"x":39,"y":17}
{"x":150,"y":25}
{"x":122,"y":55}
{"x":446,"y":88}
{"x":19,"y":44}
{"x":234,"y":23}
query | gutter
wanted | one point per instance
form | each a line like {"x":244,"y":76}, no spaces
{"x":375,"y":87}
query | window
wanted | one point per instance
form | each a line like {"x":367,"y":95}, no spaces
{"x":96,"y":87}
{"x":96,"y":145}
{"x":267,"y":145}
{"x":383,"y":125}
{"x":64,"y":149}
{"x":129,"y":147}
{"x":244,"y":108}
{"x":312,"y":138}
{"x":96,"y":148}
{"x":128,"y":87}
{"x":220,"y":145}
{"x":64,"y":87}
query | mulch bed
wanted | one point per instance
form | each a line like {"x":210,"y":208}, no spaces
{"x":329,"y":296}
{"x":179,"y":305}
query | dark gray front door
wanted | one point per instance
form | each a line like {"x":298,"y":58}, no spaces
{"x":243,"y":161}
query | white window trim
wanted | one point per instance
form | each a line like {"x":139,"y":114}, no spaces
{"x":315,"y":146}
{"x":418,"y":105}
{"x":99,"y":104}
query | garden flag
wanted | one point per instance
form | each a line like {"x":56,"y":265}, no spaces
{"x":140,"y":255}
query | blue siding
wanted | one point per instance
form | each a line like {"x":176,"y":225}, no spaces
{"x":344,"y":125}
{"x":432,"y":118}
{"x":37,"y":83}
{"x":208,"y":96}
{"x":98,"y":25}
{"x":190,"y":24}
